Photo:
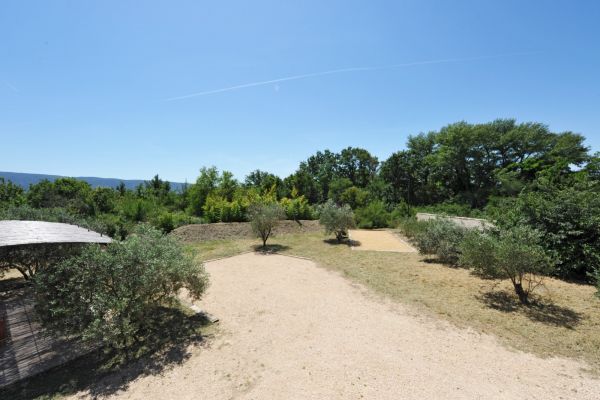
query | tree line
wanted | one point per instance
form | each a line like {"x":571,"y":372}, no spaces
{"x":503,"y":170}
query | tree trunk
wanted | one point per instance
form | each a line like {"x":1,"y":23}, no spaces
{"x":521,"y":293}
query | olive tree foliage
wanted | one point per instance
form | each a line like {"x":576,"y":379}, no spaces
{"x":336,"y":219}
{"x":263,"y":218}
{"x":32,"y":258}
{"x":513,"y":254}
{"x":108,"y":295}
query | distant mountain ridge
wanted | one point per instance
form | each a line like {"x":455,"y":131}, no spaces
{"x":24,"y":180}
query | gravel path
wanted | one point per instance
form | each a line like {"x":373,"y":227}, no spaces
{"x":291,"y":330}
{"x":376,"y":240}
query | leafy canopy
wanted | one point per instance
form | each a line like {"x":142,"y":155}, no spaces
{"x":107,"y":296}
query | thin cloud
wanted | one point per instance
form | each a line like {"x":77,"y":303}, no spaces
{"x":11,"y":87}
{"x":343,"y":70}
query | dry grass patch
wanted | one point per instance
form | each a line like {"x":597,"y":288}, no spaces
{"x":563,"y":320}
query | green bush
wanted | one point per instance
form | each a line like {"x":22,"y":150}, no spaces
{"x":354,"y":197}
{"x":11,"y":194}
{"x":410,"y":227}
{"x":400,"y":213}
{"x":441,"y":238}
{"x":569,"y":219}
{"x":296,"y":208}
{"x":336,"y":219}
{"x":513,"y":254}
{"x":218,"y":209}
{"x":374,"y":215}
{"x":166,"y":222}
{"x":108,"y":296}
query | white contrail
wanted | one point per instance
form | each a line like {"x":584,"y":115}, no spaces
{"x":342,"y":70}
{"x":11,"y":87}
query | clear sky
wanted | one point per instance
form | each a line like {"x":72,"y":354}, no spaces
{"x":99,"y":88}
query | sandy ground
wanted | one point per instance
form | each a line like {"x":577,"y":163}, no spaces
{"x":379,"y":241}
{"x":292,"y":330}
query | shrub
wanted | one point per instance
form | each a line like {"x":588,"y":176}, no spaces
{"x":354,"y":197}
{"x":513,"y":254}
{"x":166,"y":222}
{"x":569,"y":219}
{"x":401,"y":212}
{"x":374,"y":215}
{"x":296,"y":208}
{"x":441,"y":238}
{"x":11,"y":194}
{"x":107,"y":296}
{"x":218,"y":209}
{"x":336,"y":219}
{"x":263,"y":218}
{"x":410,"y":227}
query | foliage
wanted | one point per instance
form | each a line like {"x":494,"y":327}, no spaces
{"x":374,"y":215}
{"x":198,"y":193}
{"x":401,"y":212}
{"x":219,"y":209}
{"x":354,"y":197}
{"x":411,"y":228}
{"x":263,"y":218}
{"x":469,"y":162}
{"x":10,"y":194}
{"x":568,"y":216}
{"x":108,"y":296}
{"x":33,"y":258}
{"x":441,"y":238}
{"x":70,"y":193}
{"x":296,"y":207}
{"x":512,"y":253}
{"x":336,"y":219}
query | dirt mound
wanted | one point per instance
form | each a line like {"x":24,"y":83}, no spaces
{"x":231,"y":230}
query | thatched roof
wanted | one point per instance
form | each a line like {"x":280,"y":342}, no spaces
{"x":14,"y":233}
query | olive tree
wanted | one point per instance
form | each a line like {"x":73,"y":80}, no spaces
{"x":109,"y":295}
{"x":263,"y":218}
{"x":336,"y":219}
{"x":513,"y":254}
{"x":29,"y":259}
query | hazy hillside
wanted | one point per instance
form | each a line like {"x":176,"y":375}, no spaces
{"x":24,"y":180}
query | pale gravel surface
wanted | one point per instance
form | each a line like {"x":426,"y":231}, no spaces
{"x":292,"y":330}
{"x":379,"y":240}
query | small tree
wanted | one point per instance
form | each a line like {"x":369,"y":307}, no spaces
{"x":336,"y":219}
{"x":109,"y":296}
{"x":263,"y":218}
{"x":442,"y":238}
{"x":510,"y":254}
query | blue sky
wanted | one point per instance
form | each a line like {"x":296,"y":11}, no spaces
{"x":87,"y":88}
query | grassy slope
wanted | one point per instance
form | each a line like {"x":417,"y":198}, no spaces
{"x":564,"y":321}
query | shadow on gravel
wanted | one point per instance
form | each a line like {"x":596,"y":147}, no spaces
{"x":539,"y":311}
{"x":101,"y":374}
